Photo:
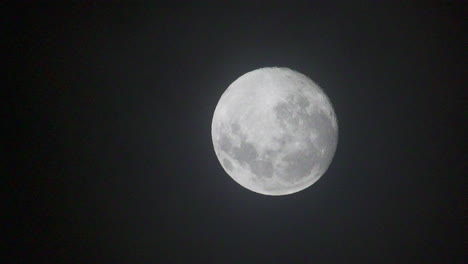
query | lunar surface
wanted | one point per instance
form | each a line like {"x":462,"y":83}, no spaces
{"x":274,"y":131}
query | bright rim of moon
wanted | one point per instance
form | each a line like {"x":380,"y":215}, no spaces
{"x":274,"y":131}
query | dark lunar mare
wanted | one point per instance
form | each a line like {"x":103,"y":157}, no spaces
{"x":246,"y":154}
{"x":301,"y":162}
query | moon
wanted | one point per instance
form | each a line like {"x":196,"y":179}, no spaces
{"x":274,"y":131}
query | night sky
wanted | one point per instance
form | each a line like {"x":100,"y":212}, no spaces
{"x":109,"y":139}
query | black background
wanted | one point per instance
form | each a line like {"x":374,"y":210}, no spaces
{"x":110,"y":139}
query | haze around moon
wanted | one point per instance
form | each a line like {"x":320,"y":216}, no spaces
{"x":274,"y":131}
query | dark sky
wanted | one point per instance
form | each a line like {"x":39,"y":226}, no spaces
{"x":110,"y":140}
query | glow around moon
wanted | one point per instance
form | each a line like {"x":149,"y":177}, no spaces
{"x":274,"y":131}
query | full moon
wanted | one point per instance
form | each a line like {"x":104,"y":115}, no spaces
{"x":274,"y":131}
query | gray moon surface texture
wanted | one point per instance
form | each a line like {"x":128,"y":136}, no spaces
{"x":274,"y":131}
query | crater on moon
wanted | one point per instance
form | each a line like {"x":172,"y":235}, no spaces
{"x":274,"y":131}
